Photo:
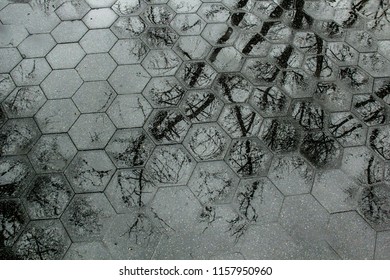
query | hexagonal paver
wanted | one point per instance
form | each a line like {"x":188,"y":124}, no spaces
{"x":90,"y":171}
{"x":128,"y":7}
{"x":207,"y":142}
{"x":350,"y":236}
{"x":158,"y":14}
{"x":188,"y":24}
{"x":320,"y":66}
{"x":308,"y":114}
{"x":369,"y":109}
{"x":375,"y":64}
{"x":335,"y":191}
{"x":69,"y":31}
{"x":240,"y":120}
{"x":226,"y":59}
{"x":160,"y":37}
{"x":128,"y":79}
{"x":129,"y":148}
{"x":132,"y":236}
{"x":100,"y":18}
{"x":96,"y":67}
{"x":355,"y":79}
{"x":361,"y":40}
{"x":7,"y":85}
{"x":92,"y":131}
{"x":48,"y":196}
{"x":72,"y":10}
{"x":167,"y":126}
{"x":15,"y":175}
{"x":342,"y":53}
{"x":129,"y":51}
{"x":125,"y":27}
{"x":52,"y":153}
{"x":260,"y":71}
{"x":304,"y":218}
{"x":374,"y":204}
{"x":30,"y":72}
{"x":164,"y":92}
{"x":280,"y":135}
{"x":333,"y":97}
{"x":214,"y":12}
{"x":219,"y":34}
{"x":97,"y":41}
{"x":192,"y":47}
{"x":36,"y":45}
{"x":65,"y":56}
{"x":269,"y":101}
{"x":321,"y":150}
{"x":213,"y":182}
{"x":258,"y":199}
{"x":233,"y":88}
{"x":362,"y":164}
{"x":57,"y":116}
{"x":170,"y":165}
{"x":15,"y":14}
{"x":197,"y":74}
{"x":52,"y":245}
{"x":87,"y":251}
{"x":10,"y":58}
{"x":161,"y":63}
{"x":248,"y":157}
{"x":24,"y":102}
{"x":130,"y":189}
{"x":12,"y":35}
{"x":88,"y":216}
{"x":291,"y":175}
{"x":129,"y":111}
{"x":201,"y":106}
{"x":94,"y":97}
{"x":180,"y":216}
{"x":182,"y":6}
{"x":61,"y":83}
{"x":251,"y":44}
{"x":379,"y":139}
{"x":381,"y":87}
{"x":17,"y":136}
{"x":13,"y":220}
{"x":347,"y":129}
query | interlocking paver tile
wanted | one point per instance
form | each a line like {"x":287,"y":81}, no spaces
{"x":92,"y":131}
{"x":65,"y":56}
{"x":90,"y":171}
{"x":98,"y":41}
{"x":57,"y":116}
{"x":88,"y":217}
{"x":37,"y":45}
{"x":18,"y":136}
{"x":61,"y":83}
{"x":48,"y":196}
{"x":102,"y":63}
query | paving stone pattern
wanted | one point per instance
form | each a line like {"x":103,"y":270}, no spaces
{"x":202,"y":129}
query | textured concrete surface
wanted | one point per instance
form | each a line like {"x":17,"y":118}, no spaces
{"x":202,"y":129}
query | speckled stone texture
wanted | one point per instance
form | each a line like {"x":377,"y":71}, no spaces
{"x":194,"y":129}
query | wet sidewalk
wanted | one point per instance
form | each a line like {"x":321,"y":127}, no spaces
{"x":231,"y":129}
